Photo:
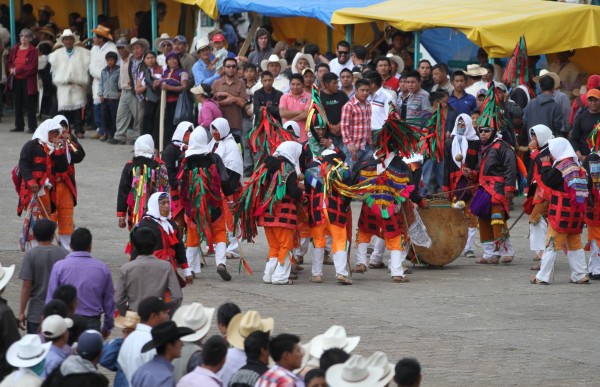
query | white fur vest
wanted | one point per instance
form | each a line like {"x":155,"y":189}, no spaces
{"x":98,"y":63}
{"x":70,"y":75}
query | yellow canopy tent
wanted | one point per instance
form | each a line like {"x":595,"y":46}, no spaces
{"x":495,"y":25}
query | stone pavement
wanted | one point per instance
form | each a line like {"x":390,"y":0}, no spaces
{"x":468,"y":324}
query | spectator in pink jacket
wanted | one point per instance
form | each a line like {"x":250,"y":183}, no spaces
{"x":209,"y":110}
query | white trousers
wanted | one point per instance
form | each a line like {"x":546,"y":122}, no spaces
{"x":505,"y":250}
{"x":220,"y":250}
{"x":303,"y":248}
{"x":576,"y":262}
{"x":397,"y":257}
{"x":361,"y":253}
{"x":269,"y":269}
{"x":378,"y":250}
{"x":65,"y":241}
{"x":594,"y":258}
{"x":233,"y":248}
{"x":470,"y":239}
{"x":317,"y":261}
{"x":281,"y":275}
{"x":340,"y":263}
{"x":537,"y":235}
{"x":193,"y":258}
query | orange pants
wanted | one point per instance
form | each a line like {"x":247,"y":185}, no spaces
{"x":338,"y":235}
{"x":571,"y":241}
{"x":281,"y":242}
{"x":394,"y":243}
{"x":493,"y":229}
{"x":64,"y":209}
{"x":217,"y":229}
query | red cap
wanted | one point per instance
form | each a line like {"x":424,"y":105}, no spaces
{"x":218,"y":38}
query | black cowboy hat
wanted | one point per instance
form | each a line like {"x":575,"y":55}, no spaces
{"x":166,"y":333}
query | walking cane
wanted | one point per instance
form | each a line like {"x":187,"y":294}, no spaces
{"x":161,"y":132}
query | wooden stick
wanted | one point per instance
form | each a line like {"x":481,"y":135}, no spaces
{"x":255,"y":25}
{"x":163,"y":106}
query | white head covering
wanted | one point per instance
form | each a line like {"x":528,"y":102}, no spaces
{"x":60,"y":118}
{"x":460,"y":143}
{"x":198,"y":143}
{"x":226,"y":147}
{"x":293,"y":127}
{"x":154,"y":211}
{"x":560,"y":149}
{"x":180,"y":132}
{"x":144,"y":146}
{"x":41,"y":133}
{"x":327,"y":152}
{"x":543,"y":134}
{"x":291,"y":150}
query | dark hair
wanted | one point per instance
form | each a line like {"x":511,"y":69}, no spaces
{"x":362,"y":82}
{"x":56,"y":307}
{"x":436,"y":96}
{"x":161,"y":5}
{"x":290,"y":54}
{"x":382,"y":58}
{"x":343,"y":43}
{"x":476,"y":111}
{"x":66,"y":293}
{"x":360,"y":52}
{"x":407,"y":372}
{"x":111,"y":55}
{"x":489,"y":67}
{"x":207,"y":90}
{"x":330,"y":77}
{"x":311,"y":49}
{"x":281,"y":344}
{"x":214,"y":350}
{"x":139,"y":14}
{"x":297,"y":77}
{"x":229,"y":59}
{"x":312,"y":374}
{"x":424,"y":61}
{"x":413,"y":74}
{"x":332,"y":356}
{"x":345,"y":70}
{"x":397,"y":33}
{"x":441,"y":66}
{"x":43,"y":230}
{"x":27,"y":8}
{"x":374,"y":77}
{"x":317,"y":67}
{"x":81,"y":239}
{"x":265,"y":74}
{"x":458,"y":73}
{"x":254,"y":343}
{"x":248,"y":66}
{"x":546,"y":83}
{"x":149,"y":53}
{"x":144,"y":241}
{"x":226,"y":312}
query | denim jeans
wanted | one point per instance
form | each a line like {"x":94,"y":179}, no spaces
{"x":361,"y":155}
{"x":109,"y":117}
{"x":98,"y":122}
{"x":437,"y":169}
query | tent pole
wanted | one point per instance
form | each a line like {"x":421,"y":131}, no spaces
{"x":11,"y":12}
{"x":417,"y":47}
{"x":88,"y":10}
{"x":153,"y":15}
{"x":349,"y":33}
{"x":329,"y":39}
{"x":94,"y":13}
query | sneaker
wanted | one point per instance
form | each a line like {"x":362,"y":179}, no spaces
{"x":469,"y":254}
{"x":222,"y":271}
{"x":317,"y":279}
{"x":342,"y":279}
{"x":595,"y":277}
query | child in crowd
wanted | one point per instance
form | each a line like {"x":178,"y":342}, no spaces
{"x":109,"y":94}
{"x":219,"y":51}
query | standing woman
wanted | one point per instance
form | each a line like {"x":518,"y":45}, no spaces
{"x":22,"y":65}
{"x":209,"y":109}
{"x":148,"y":84}
{"x":174,"y":81}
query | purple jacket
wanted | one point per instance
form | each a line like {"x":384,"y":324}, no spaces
{"x":208,"y":113}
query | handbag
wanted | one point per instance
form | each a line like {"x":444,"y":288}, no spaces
{"x":481,"y":205}
{"x":184,"y":110}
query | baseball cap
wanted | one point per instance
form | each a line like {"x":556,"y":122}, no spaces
{"x":89,"y":343}
{"x":307,"y":70}
{"x":55,"y":326}
{"x":481,"y":92}
{"x":218,"y":38}
{"x":594,"y":93}
{"x":152,"y":305}
{"x":502,"y":87}
{"x":122,"y":43}
{"x":180,"y":38}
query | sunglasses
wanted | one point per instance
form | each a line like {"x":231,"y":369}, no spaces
{"x":486,"y":130}
{"x":343,"y":52}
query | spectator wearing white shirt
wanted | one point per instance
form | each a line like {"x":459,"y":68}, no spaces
{"x":153,"y":311}
{"x":343,"y":58}
{"x":380,"y":99}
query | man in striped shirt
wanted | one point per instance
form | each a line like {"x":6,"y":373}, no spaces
{"x":356,"y":125}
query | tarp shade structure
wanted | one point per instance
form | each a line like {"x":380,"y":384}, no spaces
{"x":492,"y":24}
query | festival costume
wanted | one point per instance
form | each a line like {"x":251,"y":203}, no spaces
{"x":229,"y":151}
{"x":203,"y":178}
{"x":169,"y":246}
{"x":461,"y":151}
{"x":592,"y":215}
{"x":538,"y":194}
{"x":567,"y":183}
{"x":141,"y":177}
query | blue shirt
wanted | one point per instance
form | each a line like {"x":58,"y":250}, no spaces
{"x":202,"y":74}
{"x":158,"y":372}
{"x":53,"y":360}
{"x":463,"y":105}
{"x":109,"y":361}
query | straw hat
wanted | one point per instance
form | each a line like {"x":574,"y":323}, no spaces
{"x":274,"y":59}
{"x":354,"y":372}
{"x":158,"y":41}
{"x":581,"y":91}
{"x":129,"y":321}
{"x":196,"y":317}
{"x":307,"y":57}
{"x":554,"y":76}
{"x":103,"y":31}
{"x":242,"y":324}
{"x":474,"y":70}
{"x":142,"y":42}
{"x":399,"y":62}
{"x":48,"y":31}
{"x":334,"y":337}
{"x":27,"y":352}
{"x":380,"y":360}
{"x":6,"y":273}
{"x":202,"y":43}
{"x":68,"y":33}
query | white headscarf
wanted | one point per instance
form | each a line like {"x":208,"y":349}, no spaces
{"x":154,"y":211}
{"x":291,"y":150}
{"x":560,"y":149}
{"x":198,"y":143}
{"x":60,"y":118}
{"x":226,"y":147}
{"x":144,"y":146}
{"x":543,"y":134}
{"x":460,"y":143}
{"x":293,"y":127}
{"x":41,"y":133}
{"x":180,"y":132}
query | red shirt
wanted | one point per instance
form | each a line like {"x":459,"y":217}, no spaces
{"x":392,"y":83}
{"x":20,"y":61}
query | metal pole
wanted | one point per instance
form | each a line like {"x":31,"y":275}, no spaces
{"x":349,"y":33}
{"x":329,"y":39}
{"x":11,"y":11}
{"x":88,"y":10}
{"x":94,"y":13}
{"x":153,"y":4}
{"x":417,"y":48}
